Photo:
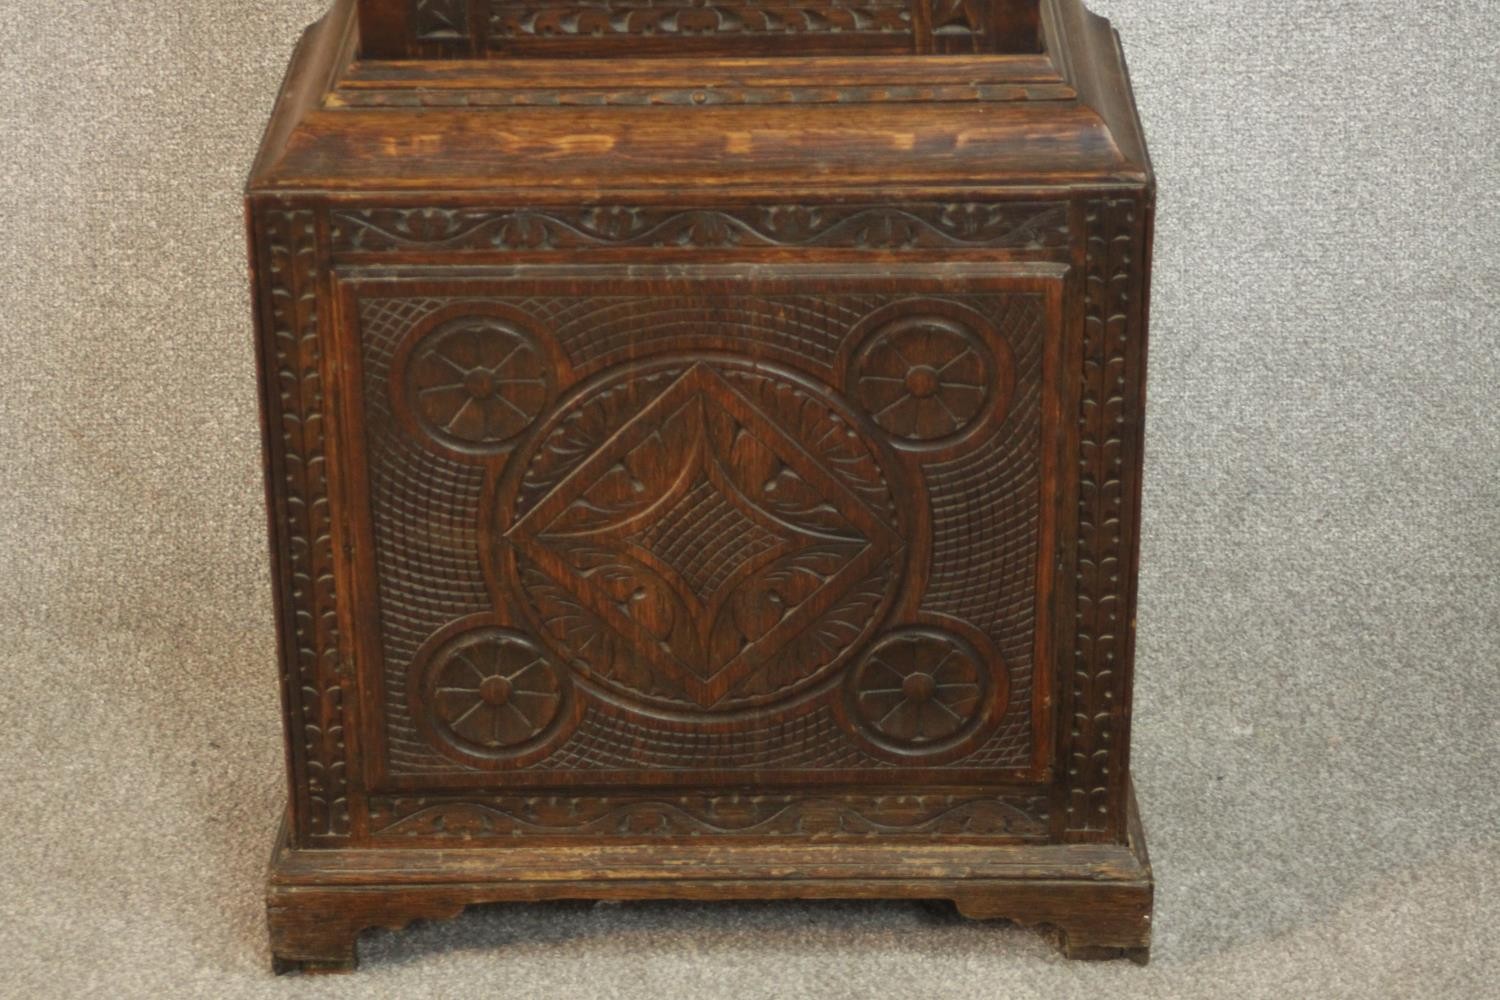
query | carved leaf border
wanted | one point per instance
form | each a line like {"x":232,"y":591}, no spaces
{"x":1095,"y":743}
{"x":295,"y":413}
{"x":814,"y":816}
{"x":935,"y":225}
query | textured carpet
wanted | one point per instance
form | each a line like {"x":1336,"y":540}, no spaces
{"x":1317,"y":744}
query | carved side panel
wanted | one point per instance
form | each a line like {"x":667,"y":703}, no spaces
{"x":296,"y":417}
{"x":1108,"y":429}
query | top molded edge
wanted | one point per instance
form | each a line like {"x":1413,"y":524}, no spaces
{"x":1061,"y":118}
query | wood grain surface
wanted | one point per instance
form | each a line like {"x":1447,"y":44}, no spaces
{"x":706,"y":468}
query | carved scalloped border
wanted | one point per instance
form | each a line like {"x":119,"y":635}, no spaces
{"x":1008,"y":225}
{"x":694,"y":815}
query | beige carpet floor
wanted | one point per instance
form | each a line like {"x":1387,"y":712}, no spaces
{"x":1317,"y":748}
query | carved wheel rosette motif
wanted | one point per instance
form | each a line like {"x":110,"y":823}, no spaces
{"x":493,"y":694}
{"x":928,"y":372}
{"x":923,"y":692}
{"x":703,"y":535}
{"x":472,"y":383}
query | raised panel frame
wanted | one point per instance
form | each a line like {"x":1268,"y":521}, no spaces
{"x":1049,"y":279}
{"x":300,"y":242}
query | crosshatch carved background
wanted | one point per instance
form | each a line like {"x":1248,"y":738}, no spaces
{"x":477,"y":520}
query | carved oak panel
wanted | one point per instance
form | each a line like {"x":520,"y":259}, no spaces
{"x":665,"y":526}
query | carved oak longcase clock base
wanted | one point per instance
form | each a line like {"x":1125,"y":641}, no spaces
{"x":703,"y":449}
{"x":1096,"y":897}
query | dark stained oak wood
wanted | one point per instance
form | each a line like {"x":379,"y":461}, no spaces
{"x":1097,"y":897}
{"x":703,"y":459}
{"x":680,"y":28}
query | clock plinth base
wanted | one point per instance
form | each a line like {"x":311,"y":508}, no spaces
{"x":705,"y":464}
{"x":1097,"y":897}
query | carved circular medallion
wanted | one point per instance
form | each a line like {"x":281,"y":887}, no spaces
{"x":926,"y":372}
{"x":491,"y":694}
{"x":701,"y":536}
{"x":473,"y":383}
{"x":922,"y":692}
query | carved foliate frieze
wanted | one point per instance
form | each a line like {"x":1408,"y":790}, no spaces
{"x":843,"y":817}
{"x":937,"y":225}
{"x":762,"y":28}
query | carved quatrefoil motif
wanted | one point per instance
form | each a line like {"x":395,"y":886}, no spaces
{"x":736,"y":525}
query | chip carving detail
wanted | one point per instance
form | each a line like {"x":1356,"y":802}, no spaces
{"x":493,"y":694}
{"x":920,"y":692}
{"x":709,"y":541}
{"x":474,"y":383}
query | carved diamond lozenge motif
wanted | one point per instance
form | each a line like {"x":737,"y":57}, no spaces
{"x":708,"y":540}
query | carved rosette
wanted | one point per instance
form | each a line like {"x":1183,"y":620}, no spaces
{"x":472,"y":382}
{"x":922,"y":693}
{"x":492,"y":694}
{"x":930,"y":372}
